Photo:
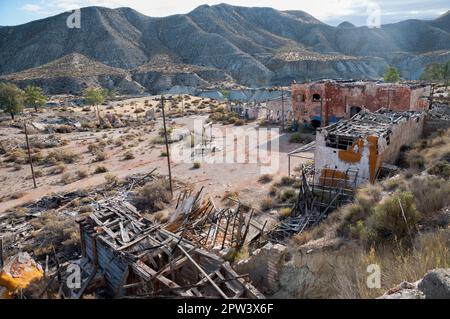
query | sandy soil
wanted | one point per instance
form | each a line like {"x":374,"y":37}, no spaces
{"x":217,"y":178}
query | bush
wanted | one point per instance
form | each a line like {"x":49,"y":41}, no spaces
{"x":66,"y":178}
{"x":286,"y":181}
{"x":17,"y":156}
{"x":100,"y":170}
{"x":288,"y":195}
{"x":266,"y":204}
{"x":265,"y":179}
{"x":298,"y":138}
{"x":111,"y":179}
{"x":60,"y":156}
{"x":128,"y":155}
{"x":59,"y":169}
{"x":81,"y":174}
{"x":100,"y":156}
{"x":432,"y":194}
{"x":57,"y":231}
{"x":152,"y":196}
{"x":394,"y":219}
{"x":415,"y":160}
{"x":163,"y":154}
{"x":441,"y":169}
{"x":94,"y":148}
{"x":239,"y":122}
{"x":197,"y":165}
{"x":273,"y":191}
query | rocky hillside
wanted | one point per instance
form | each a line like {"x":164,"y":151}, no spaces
{"x":73,"y":73}
{"x":254,"y":46}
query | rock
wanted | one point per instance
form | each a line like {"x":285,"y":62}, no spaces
{"x":436,"y":284}
{"x":405,"y":290}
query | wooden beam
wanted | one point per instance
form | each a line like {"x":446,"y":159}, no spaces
{"x":147,"y":274}
{"x":204,"y":273}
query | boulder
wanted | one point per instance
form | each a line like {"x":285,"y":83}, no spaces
{"x":436,"y":284}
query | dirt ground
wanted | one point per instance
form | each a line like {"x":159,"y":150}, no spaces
{"x":139,"y":140}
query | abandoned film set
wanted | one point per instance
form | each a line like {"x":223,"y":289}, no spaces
{"x":240,"y":153}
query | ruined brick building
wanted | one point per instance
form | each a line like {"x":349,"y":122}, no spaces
{"x":363,"y":144}
{"x":324,"y":102}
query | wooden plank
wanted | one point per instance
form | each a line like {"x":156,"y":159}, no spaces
{"x":204,"y":273}
{"x":147,"y":273}
{"x":124,"y":233}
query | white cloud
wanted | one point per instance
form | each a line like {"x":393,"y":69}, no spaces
{"x":34,"y":8}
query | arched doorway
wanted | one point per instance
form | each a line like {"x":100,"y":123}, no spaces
{"x":354,"y":110}
{"x":315,"y":124}
{"x":316,"y":97}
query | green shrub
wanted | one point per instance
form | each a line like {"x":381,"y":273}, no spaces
{"x":394,"y":219}
{"x":441,"y":169}
{"x":288,"y":195}
{"x":299,"y":138}
{"x":286,"y":181}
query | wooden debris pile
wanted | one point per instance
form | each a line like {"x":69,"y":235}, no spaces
{"x":139,"y":259}
{"x":315,"y":202}
{"x":200,"y":221}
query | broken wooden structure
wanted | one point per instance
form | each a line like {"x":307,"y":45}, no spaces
{"x":139,"y":259}
{"x":202,"y":222}
{"x":316,"y":200}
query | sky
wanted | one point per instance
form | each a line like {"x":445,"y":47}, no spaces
{"x":332,"y":12}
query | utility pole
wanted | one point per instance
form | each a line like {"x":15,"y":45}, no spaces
{"x":182,"y":104}
{"x":282,"y":109}
{"x":2,"y":263}
{"x":29,"y":155}
{"x":167,"y":145}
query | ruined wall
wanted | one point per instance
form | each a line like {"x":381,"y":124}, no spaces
{"x":343,"y":100}
{"x":367,"y":154}
{"x":359,"y":157}
{"x":419,"y":98}
{"x":275,"y":109}
{"x":405,"y":132}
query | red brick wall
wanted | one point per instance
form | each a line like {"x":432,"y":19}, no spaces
{"x":370,"y":96}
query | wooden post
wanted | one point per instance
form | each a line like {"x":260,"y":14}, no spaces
{"x":282,"y":109}
{"x":182,"y":105}
{"x":1,"y":254}
{"x":29,"y":155}
{"x":289,"y":165}
{"x":167,"y":145}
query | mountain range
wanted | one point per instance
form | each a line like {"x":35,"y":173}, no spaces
{"x":216,"y":45}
